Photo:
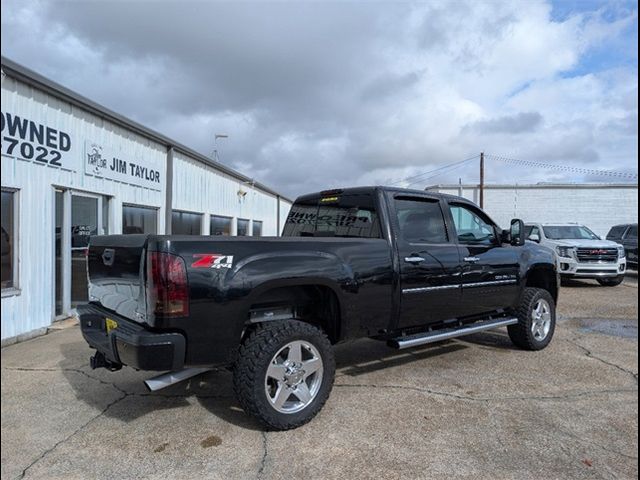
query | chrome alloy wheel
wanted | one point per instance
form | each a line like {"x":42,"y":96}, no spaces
{"x":541,"y":320}
{"x":294,"y":377}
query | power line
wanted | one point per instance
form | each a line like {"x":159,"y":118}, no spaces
{"x":564,"y":168}
{"x":424,"y":179}
{"x":444,"y":167}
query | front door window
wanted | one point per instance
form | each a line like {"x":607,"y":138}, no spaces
{"x":471,"y":228}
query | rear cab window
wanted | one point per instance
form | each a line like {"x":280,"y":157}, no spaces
{"x":334,"y":215}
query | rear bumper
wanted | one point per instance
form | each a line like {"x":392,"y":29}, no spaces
{"x":130,"y":343}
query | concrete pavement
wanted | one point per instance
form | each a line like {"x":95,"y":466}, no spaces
{"x":474,"y":407}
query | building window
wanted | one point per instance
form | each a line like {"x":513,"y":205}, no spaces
{"x":139,"y":220}
{"x":257,"y":228}
{"x":220,"y":226}
{"x":9,"y":250}
{"x":185,"y":223}
{"x":243,"y":227}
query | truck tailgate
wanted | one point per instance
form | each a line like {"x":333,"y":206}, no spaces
{"x":116,"y":274}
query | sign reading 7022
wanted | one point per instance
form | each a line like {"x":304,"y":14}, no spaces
{"x":29,"y":140}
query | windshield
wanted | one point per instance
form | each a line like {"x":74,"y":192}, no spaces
{"x":572,"y":232}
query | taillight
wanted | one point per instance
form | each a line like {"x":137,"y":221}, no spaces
{"x":168,"y":289}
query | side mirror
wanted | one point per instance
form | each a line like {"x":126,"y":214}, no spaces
{"x":534,"y":237}
{"x":516,"y":232}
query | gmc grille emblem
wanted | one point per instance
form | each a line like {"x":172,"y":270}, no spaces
{"x":598,"y":252}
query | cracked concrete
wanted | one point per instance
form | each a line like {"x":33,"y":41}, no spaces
{"x":473,"y":407}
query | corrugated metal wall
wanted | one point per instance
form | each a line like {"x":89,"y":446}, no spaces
{"x":597,"y":206}
{"x":196,"y":187}
{"x":32,"y":307}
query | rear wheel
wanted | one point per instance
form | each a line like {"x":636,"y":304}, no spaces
{"x":611,"y":282}
{"x":284,"y":373}
{"x":536,"y":320}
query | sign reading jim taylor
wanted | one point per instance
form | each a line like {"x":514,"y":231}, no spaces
{"x":101,"y":162}
{"x":32,"y":141}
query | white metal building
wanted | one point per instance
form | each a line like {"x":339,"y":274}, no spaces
{"x":72,"y":168}
{"x":599,"y":206}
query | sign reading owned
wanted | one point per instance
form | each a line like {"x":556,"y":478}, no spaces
{"x":32,"y":141}
{"x":102,"y":162}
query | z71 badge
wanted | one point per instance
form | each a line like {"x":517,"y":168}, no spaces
{"x":212,"y":260}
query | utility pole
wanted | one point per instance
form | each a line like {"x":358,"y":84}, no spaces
{"x":215,"y":155}
{"x":481,"y":179}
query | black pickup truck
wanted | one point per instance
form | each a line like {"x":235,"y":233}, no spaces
{"x":402,"y":266}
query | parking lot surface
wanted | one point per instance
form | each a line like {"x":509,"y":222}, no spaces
{"x":470,"y":408}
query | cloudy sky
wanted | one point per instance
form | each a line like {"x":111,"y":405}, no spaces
{"x":316,"y":95}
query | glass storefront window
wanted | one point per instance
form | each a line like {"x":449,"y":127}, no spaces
{"x":8,"y":248}
{"x":185,"y":223}
{"x":220,"y":225}
{"x":243,"y":227}
{"x":139,"y":220}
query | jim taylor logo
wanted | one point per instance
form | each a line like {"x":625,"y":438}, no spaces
{"x":95,"y":159}
{"x":212,"y":260}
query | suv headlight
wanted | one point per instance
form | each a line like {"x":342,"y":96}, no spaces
{"x":566,"y":252}
{"x":621,"y":253}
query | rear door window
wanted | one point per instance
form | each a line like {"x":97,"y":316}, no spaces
{"x":334,"y":216}
{"x":421,"y":220}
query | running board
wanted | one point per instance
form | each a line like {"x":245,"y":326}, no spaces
{"x":447,"y":333}
{"x":170,"y":378}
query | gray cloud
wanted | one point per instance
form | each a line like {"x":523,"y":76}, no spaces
{"x":314,"y":95}
{"x":523,"y":122}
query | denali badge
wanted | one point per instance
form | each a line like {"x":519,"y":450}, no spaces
{"x":212,"y":260}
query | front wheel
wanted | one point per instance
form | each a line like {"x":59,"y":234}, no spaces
{"x":611,"y":282}
{"x":284,"y":373}
{"x":536,"y":320}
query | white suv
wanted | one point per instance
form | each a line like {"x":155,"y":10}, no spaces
{"x":580,"y":252}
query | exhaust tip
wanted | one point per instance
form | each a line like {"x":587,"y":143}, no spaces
{"x":170,"y":378}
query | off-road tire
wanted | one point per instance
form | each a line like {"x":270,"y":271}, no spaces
{"x":520,"y":333}
{"x":253,"y":359}
{"x":611,"y":282}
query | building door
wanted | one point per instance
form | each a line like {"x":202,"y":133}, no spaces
{"x":85,"y":221}
{"x":78,"y":216}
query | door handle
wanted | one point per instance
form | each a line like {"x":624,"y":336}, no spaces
{"x":414,"y":259}
{"x":471,"y":259}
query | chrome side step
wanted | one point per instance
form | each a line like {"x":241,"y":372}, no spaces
{"x":169,"y":378}
{"x":447,"y":333}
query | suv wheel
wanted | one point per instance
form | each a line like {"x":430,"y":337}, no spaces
{"x":536,"y":320}
{"x":284,"y":373}
{"x":611,"y":282}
